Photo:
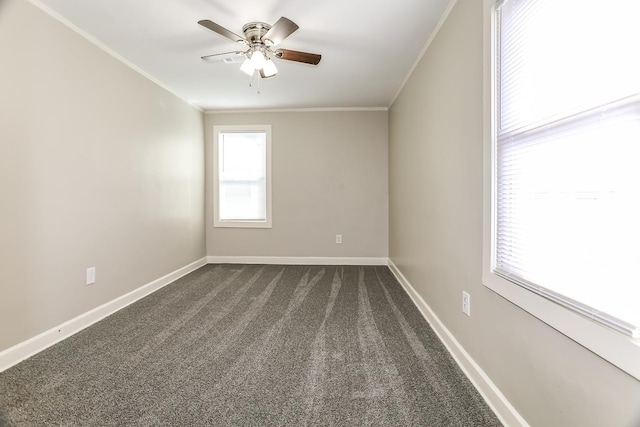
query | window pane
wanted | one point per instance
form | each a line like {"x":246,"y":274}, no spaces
{"x":560,"y":57}
{"x":242,"y":176}
{"x":568,"y":210}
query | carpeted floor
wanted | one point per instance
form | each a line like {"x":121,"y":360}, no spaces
{"x":251,"y":345}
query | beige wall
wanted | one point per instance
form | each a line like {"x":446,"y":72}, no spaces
{"x":329,"y":175}
{"x":98,"y":167}
{"x":436,"y":173}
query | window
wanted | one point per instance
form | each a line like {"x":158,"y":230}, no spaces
{"x":562,"y":228}
{"x":242,"y":176}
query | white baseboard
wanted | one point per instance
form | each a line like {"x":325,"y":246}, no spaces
{"x":296,"y":260}
{"x":491,"y":394}
{"x":28,"y":348}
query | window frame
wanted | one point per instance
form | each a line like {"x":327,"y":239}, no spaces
{"x":615,"y":347}
{"x":267,"y":223}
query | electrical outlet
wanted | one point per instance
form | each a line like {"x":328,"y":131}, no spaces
{"x":91,"y":275}
{"x":466,"y":303}
{"x":338,"y":238}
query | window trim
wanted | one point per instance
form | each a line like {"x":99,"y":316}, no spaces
{"x":241,"y":224}
{"x":613,"y":346}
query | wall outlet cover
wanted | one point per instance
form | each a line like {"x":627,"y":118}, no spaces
{"x":91,"y":275}
{"x":466,"y":303}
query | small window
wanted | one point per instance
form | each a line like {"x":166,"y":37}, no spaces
{"x":564,"y":200}
{"x":242,"y":176}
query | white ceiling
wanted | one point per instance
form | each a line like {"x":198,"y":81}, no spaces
{"x":368,"y":47}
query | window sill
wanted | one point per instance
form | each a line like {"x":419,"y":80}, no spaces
{"x":242,"y":224}
{"x":618,"y":349}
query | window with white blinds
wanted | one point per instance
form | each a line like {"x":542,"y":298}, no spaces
{"x":242,"y":172}
{"x":566,"y":154}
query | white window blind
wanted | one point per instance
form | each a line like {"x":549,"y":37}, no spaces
{"x":567,"y":162}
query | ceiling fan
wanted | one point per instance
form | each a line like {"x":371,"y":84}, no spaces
{"x":260,"y":40}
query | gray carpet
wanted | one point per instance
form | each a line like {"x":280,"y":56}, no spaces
{"x":251,"y":345}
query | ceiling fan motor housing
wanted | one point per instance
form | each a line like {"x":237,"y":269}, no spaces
{"x":254,"y":31}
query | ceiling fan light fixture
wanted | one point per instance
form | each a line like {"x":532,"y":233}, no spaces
{"x":257,"y":59}
{"x":269,"y":68}
{"x":247,"y":67}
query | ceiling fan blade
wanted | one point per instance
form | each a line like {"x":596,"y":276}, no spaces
{"x":222,"y":31}
{"x":227,"y":57}
{"x":280,"y":31}
{"x":294,"y":55}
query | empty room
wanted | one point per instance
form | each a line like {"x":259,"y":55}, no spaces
{"x":410,"y":213}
